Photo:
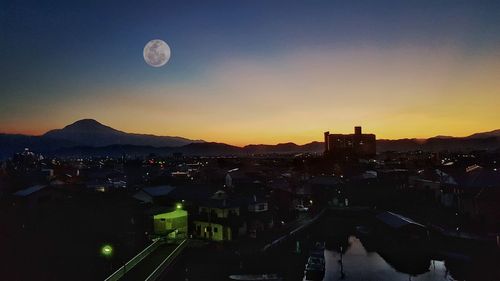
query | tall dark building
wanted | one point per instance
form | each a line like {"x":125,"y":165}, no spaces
{"x":351,"y":146}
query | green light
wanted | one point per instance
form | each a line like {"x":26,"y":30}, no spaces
{"x":179,"y":206}
{"x":107,"y":250}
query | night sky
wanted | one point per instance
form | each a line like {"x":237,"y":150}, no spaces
{"x":253,"y":71}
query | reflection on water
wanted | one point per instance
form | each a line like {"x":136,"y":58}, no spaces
{"x":362,"y":265}
{"x":371,"y":258}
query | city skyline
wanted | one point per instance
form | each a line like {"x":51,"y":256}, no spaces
{"x":92,"y":126}
{"x":250,"y":140}
{"x":255,"y":72}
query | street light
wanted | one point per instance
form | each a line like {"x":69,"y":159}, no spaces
{"x":107,"y":250}
{"x":179,"y":206}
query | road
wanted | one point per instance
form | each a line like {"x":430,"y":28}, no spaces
{"x":142,"y":270}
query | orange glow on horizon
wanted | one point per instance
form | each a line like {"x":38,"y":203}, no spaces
{"x":298,"y":138}
{"x":400,"y":92}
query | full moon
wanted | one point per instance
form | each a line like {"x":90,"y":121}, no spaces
{"x":156,"y":53}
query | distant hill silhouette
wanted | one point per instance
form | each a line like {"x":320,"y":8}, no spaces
{"x":88,"y":137}
{"x":289,"y":147}
{"x":495,"y":133}
{"x":89,"y":132}
{"x":440,"y":144}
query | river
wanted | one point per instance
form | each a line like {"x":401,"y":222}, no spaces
{"x":359,"y":264}
{"x":362,"y":260}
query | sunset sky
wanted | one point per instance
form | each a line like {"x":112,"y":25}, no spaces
{"x":253,"y":71}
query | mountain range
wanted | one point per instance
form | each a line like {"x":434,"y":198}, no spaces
{"x":87,"y":137}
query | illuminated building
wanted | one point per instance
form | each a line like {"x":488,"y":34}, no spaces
{"x":350,"y":146}
{"x":174,"y":224}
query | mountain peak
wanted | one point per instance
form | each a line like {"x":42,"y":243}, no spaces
{"x":87,"y":121}
{"x":85,"y":124}
{"x":83,"y":128}
{"x":90,"y":132}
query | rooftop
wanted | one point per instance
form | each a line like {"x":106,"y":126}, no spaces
{"x":30,"y":190}
{"x":161,"y":190}
{"x":395,"y":220}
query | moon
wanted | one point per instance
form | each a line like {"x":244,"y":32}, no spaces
{"x":156,"y":53}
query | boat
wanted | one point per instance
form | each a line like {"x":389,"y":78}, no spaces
{"x":256,"y":277}
{"x":314,"y":271}
{"x":316,"y":260}
{"x":318,"y":250}
{"x":315,"y":266}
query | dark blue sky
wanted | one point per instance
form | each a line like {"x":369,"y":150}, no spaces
{"x":53,"y":50}
{"x":81,"y":40}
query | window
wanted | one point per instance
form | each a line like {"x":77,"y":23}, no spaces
{"x":215,"y":229}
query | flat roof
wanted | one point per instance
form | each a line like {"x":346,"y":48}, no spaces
{"x":171,"y":215}
{"x":29,"y":190}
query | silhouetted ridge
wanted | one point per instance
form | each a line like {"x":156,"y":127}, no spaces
{"x":89,"y":137}
{"x":89,"y":132}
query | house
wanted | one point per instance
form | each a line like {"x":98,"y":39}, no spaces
{"x":239,"y":179}
{"x":485,"y":206}
{"x":174,"y":224}
{"x":219,"y":219}
{"x":257,"y":205}
{"x":435,"y":184}
{"x":259,"y":218}
{"x":478,"y":194}
{"x":33,"y":195}
{"x":400,"y":227}
{"x":154,"y":194}
{"x":321,"y":189}
{"x":393,"y":177}
{"x":283,"y":196}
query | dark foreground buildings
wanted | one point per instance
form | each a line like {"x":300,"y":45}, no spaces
{"x":351,"y":146}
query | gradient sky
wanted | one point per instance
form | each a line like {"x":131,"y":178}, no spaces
{"x":253,"y":71}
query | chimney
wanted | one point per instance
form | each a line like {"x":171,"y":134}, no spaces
{"x":326,"y":141}
{"x":357,"y":130}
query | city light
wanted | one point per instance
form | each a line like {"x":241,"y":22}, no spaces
{"x":277,"y":137}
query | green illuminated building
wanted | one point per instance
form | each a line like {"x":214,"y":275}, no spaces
{"x":174,"y":224}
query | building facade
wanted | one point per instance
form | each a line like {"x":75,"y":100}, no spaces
{"x":174,"y":224}
{"x":218,"y":220}
{"x":350,"y":146}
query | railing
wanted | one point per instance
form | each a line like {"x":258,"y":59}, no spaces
{"x":166,"y":262}
{"x":120,"y":272}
